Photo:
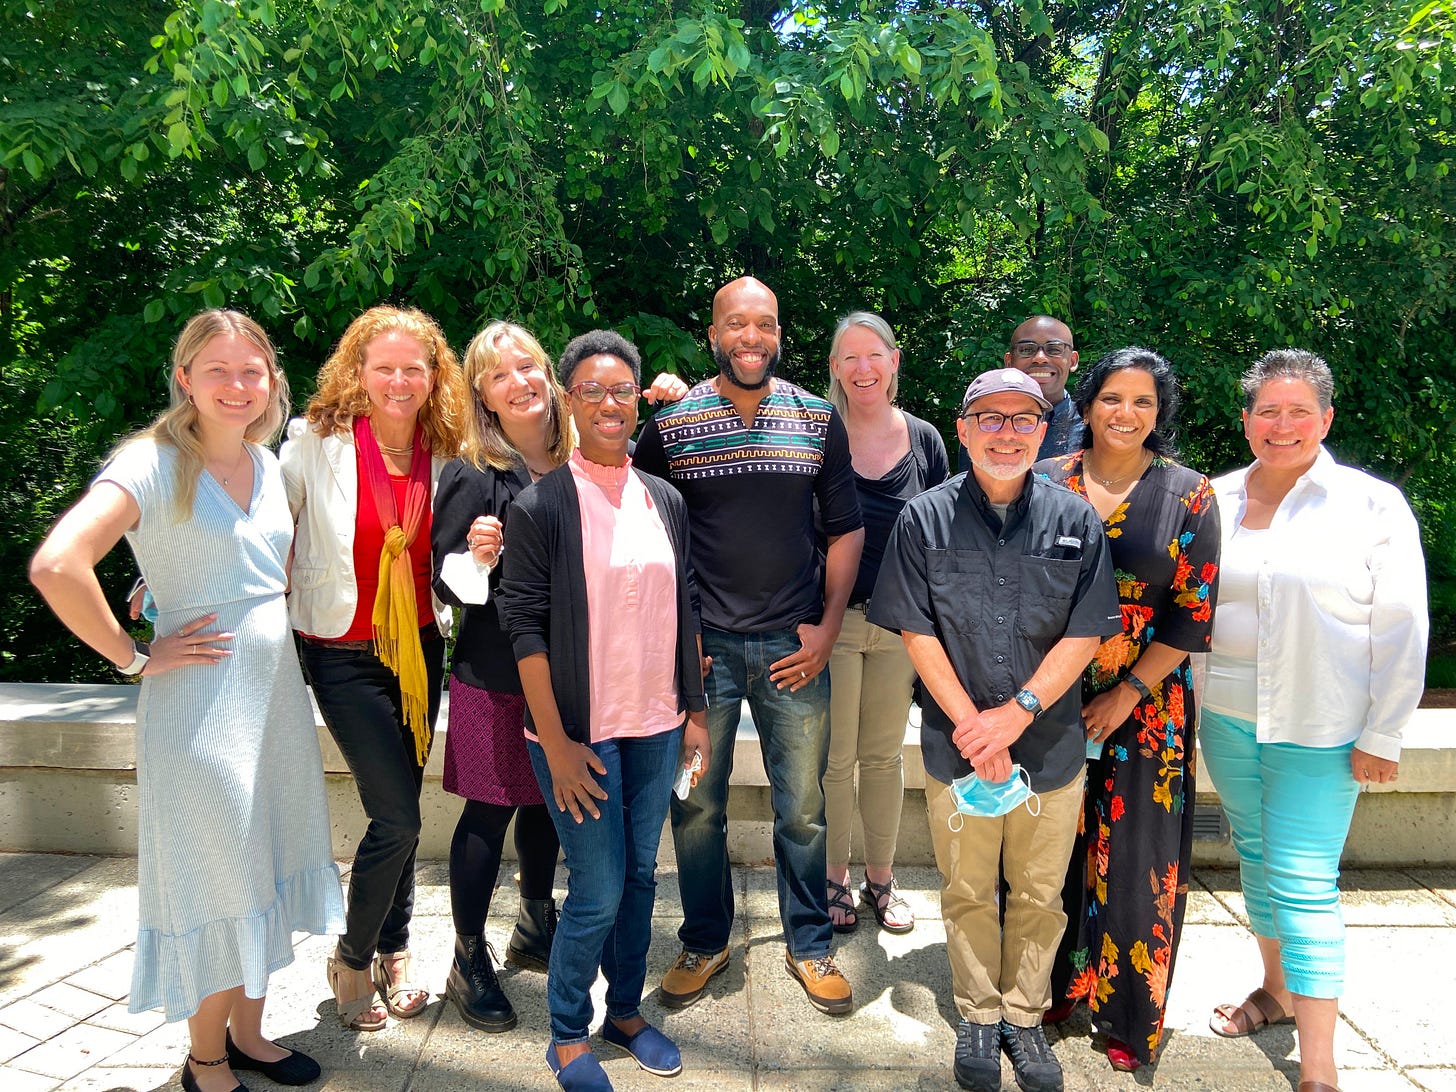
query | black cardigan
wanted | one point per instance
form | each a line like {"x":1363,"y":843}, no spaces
{"x":483,"y":656}
{"x":542,"y":594}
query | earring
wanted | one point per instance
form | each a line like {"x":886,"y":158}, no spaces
{"x":190,"y":402}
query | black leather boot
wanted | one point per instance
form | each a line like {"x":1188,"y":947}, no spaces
{"x":530,"y":944}
{"x":474,"y":988}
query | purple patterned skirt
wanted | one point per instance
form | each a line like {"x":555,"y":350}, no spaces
{"x":485,"y":747}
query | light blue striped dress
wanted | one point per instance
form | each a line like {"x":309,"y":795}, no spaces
{"x":234,"y":850}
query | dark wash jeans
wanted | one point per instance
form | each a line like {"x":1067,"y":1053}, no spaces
{"x":360,"y":700}
{"x":793,"y":730}
{"x":611,"y":880}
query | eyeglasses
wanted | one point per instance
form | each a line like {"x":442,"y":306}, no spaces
{"x":624,"y":394}
{"x":1053,"y":349}
{"x":995,"y":422}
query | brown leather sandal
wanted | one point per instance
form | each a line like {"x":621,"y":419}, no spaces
{"x":1258,"y":1010}
{"x":1316,"y":1086}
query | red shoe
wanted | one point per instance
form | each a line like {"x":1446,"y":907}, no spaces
{"x":1121,"y":1056}
{"x":1059,"y":1012}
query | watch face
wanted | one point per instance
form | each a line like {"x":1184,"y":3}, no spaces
{"x":1028,"y":701}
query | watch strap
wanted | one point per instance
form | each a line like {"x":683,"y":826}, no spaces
{"x":141,"y":653}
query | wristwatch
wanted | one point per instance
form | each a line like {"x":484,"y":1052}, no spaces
{"x":141,"y":653}
{"x":1030,"y":702}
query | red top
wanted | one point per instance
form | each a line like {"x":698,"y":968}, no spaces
{"x":369,"y":544}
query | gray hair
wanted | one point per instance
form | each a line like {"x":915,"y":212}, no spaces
{"x":881,"y":329}
{"x":1289,"y":364}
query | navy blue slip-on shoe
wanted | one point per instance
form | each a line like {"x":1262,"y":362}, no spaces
{"x":294,"y":1068}
{"x":582,"y":1074}
{"x":651,"y":1049}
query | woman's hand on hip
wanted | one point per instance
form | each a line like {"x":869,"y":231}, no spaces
{"x":572,"y":783}
{"x":1369,"y":770}
{"x":187,"y":647}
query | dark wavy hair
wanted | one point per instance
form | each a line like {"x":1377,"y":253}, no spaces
{"x":594,"y":343}
{"x":1160,"y":440}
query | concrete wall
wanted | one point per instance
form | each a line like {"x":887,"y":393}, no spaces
{"x":68,"y":784}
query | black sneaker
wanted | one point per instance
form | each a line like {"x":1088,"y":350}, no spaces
{"x":978,"y":1057}
{"x":1037,"y":1069}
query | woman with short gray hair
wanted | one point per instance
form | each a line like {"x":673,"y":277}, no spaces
{"x":1318,"y":648}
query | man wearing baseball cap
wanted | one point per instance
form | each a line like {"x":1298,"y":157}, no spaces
{"x":1001,"y":585}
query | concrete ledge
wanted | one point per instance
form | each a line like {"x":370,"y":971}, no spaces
{"x":68,"y":784}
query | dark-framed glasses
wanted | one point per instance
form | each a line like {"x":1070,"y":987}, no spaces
{"x":624,"y":394}
{"x":1053,"y":349}
{"x":990,"y":421}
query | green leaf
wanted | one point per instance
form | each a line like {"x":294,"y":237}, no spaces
{"x":33,"y":165}
{"x":257,"y":156}
{"x":179,"y":138}
{"x":154,"y":311}
{"x":617,"y":97}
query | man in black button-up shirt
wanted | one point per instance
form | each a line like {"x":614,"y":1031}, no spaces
{"x":1001,"y":585}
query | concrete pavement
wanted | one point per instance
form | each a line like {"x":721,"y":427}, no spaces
{"x":67,"y":924}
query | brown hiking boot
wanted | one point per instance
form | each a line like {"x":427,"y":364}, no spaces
{"x":688,"y":976}
{"x":827,"y":989}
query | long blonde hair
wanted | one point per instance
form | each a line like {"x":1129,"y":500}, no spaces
{"x":881,"y":329}
{"x":486,"y":443}
{"x":178,"y":426}
{"x":341,"y":396}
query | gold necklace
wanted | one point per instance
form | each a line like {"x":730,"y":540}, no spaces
{"x":231,"y":474}
{"x":1108,"y":483}
{"x":395,"y":450}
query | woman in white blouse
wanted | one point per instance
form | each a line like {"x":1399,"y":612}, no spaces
{"x":1317,"y":663}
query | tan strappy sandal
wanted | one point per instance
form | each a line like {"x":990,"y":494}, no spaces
{"x":361,"y":1011}
{"x":396,"y":991}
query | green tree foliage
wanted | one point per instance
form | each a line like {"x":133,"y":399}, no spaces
{"x":1207,"y":178}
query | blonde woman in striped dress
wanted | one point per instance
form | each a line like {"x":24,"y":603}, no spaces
{"x":234,"y":850}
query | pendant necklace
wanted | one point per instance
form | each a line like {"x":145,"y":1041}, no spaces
{"x":1108,"y":483}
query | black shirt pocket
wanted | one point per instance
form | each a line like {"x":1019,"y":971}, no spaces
{"x":1045,"y":596}
{"x":959,"y":582}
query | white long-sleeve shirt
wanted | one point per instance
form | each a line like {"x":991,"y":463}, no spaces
{"x":1342,"y":617}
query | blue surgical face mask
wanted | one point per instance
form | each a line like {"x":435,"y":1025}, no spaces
{"x":988,"y":799}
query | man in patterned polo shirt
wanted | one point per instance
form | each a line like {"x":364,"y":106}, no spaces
{"x":751,"y":454}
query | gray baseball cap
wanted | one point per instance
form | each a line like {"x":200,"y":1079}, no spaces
{"x":1001,"y":380}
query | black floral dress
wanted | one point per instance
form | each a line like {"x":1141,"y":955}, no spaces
{"x":1128,"y":883}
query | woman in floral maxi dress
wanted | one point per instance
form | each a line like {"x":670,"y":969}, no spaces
{"x":1128,"y":881}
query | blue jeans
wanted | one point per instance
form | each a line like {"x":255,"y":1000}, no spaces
{"x":793,"y":730}
{"x":1289,"y":809}
{"x":611,"y":883}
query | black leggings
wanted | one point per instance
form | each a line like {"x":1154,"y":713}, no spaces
{"x":475,"y":858}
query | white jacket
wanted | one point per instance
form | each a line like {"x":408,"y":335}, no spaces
{"x":322,"y":480}
{"x":1342,"y":610}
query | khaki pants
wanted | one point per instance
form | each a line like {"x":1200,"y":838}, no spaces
{"x":1003,"y":972}
{"x":870,"y":680}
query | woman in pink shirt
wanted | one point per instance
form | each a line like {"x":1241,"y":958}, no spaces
{"x":596,"y":562}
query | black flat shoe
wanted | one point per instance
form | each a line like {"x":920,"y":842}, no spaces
{"x":296,"y":1068}
{"x":189,"y":1082}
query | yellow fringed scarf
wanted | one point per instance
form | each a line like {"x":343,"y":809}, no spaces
{"x":396,"y":612}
